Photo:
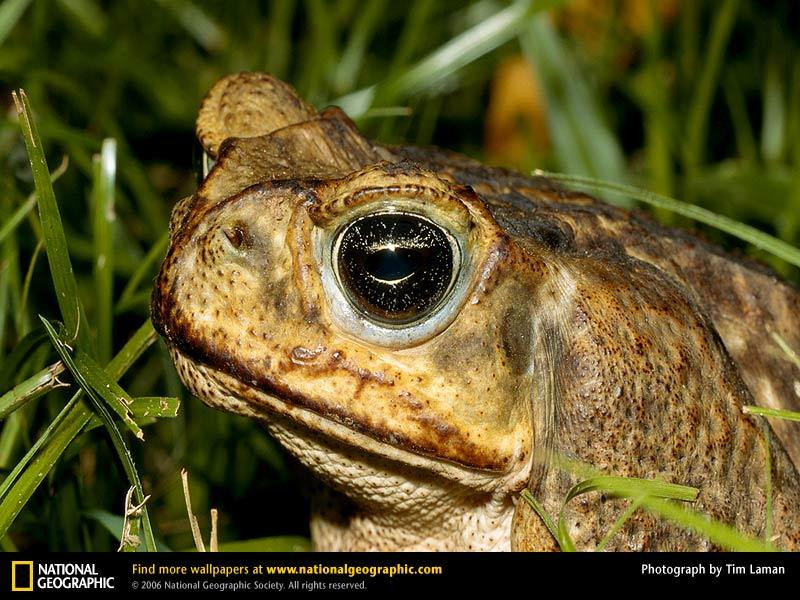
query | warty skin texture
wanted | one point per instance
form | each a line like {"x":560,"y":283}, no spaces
{"x":578,"y":330}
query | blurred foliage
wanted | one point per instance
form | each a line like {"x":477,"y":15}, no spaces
{"x":696,"y":99}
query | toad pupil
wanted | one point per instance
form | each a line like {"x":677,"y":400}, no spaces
{"x":395,"y":267}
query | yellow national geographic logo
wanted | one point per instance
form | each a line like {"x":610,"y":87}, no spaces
{"x":21,"y":575}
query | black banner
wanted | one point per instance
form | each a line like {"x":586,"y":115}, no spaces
{"x":325,"y":573}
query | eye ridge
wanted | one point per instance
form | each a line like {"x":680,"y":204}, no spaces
{"x":395,"y":267}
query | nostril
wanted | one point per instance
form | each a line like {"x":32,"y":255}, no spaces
{"x":237,"y":236}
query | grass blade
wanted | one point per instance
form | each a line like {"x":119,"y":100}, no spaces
{"x":89,"y":373}
{"x":413,"y":31}
{"x":697,"y":121}
{"x":129,"y":540}
{"x":105,"y":167}
{"x":623,"y":518}
{"x":657,"y":497}
{"x":349,"y":65}
{"x":23,"y":321}
{"x":88,"y":14}
{"x":462,"y":50}
{"x":583,"y":142}
{"x":153,"y":256}
{"x":13,"y":362}
{"x":279,"y":34}
{"x":55,"y":241}
{"x":718,"y":533}
{"x":116,"y":437}
{"x":771,"y":412}
{"x":629,"y":487}
{"x":30,"y":471}
{"x":744,"y":232}
{"x":787,"y":349}
{"x":147,"y":409}
{"x":6,"y":265}
{"x":33,"y":387}
{"x":448,"y":59}
{"x":625,"y":487}
{"x":156,"y":406}
{"x":114,"y":525}
{"x":22,"y":211}
{"x":10,"y":12}
{"x":742,"y":129}
{"x":548,"y":522}
{"x":17,"y":217}
{"x":197,"y":23}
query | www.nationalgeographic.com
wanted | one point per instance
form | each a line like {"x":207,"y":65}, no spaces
{"x":352,"y":571}
{"x":317,"y":569}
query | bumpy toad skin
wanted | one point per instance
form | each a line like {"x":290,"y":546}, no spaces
{"x":575,"y":331}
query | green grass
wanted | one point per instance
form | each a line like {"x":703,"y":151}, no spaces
{"x":742,"y":231}
{"x":654,"y":496}
{"x":112,"y":91}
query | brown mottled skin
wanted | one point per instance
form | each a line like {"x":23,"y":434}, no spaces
{"x":579,"y":331}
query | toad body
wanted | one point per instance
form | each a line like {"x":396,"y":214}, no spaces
{"x":430,"y":337}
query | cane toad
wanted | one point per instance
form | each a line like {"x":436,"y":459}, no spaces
{"x":428,"y":335}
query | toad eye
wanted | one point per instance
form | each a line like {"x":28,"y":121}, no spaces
{"x":395,"y":268}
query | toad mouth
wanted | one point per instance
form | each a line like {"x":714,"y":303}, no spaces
{"x":255,"y":388}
